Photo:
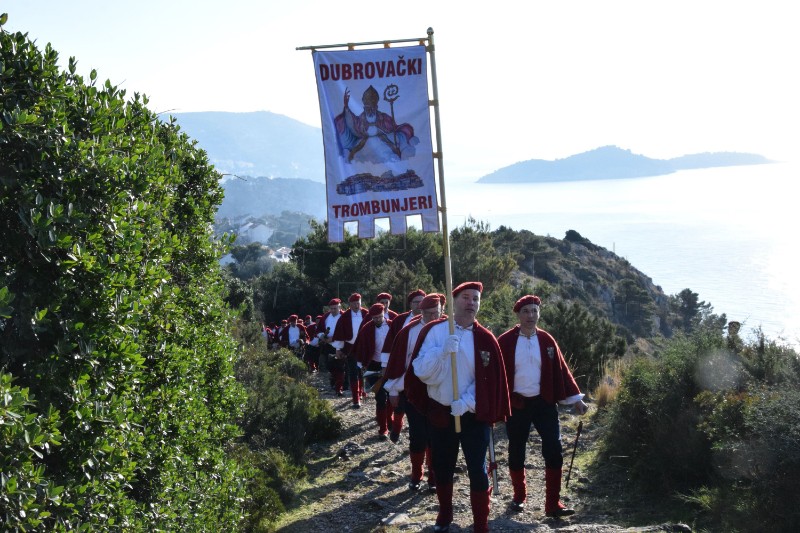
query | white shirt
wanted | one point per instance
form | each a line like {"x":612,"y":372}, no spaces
{"x":294,"y":335}
{"x":432,"y":366}
{"x":330,"y":324}
{"x":380,"y":337}
{"x":528,"y":369}
{"x":356,"y":318}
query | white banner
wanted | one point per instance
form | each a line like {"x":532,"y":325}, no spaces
{"x":377,"y":137}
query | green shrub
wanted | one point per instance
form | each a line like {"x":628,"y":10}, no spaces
{"x":282,"y":411}
{"x":111,"y":313}
{"x":28,"y":497}
{"x":654,"y":420}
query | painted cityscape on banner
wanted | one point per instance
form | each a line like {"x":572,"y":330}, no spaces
{"x":377,"y":137}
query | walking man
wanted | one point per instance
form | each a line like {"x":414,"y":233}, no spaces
{"x":482,"y":392}
{"x":538,"y":378}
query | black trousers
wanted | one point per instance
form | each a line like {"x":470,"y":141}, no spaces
{"x":542,"y":416}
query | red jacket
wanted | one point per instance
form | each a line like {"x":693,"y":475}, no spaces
{"x":557,"y":382}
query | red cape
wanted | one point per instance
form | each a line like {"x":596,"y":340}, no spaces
{"x":344,"y":327}
{"x":492,"y":402}
{"x":557,"y":382}
{"x":396,"y":366}
{"x":283,"y":338}
{"x":364,"y":347}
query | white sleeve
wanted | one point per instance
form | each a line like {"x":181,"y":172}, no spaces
{"x":429,"y":367}
{"x":572,"y":399}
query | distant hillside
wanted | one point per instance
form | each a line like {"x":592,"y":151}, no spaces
{"x":271,"y":196}
{"x":257,"y":144}
{"x":611,"y":162}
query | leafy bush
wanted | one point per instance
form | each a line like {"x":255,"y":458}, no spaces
{"x":283,"y":412}
{"x":112,"y":312}
{"x":28,"y":496}
{"x":654,"y":420}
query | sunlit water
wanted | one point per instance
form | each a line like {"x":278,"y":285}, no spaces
{"x":728,"y":234}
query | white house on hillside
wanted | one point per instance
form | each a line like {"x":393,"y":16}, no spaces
{"x":282,"y":254}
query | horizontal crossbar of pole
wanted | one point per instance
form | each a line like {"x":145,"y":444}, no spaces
{"x":368,"y":43}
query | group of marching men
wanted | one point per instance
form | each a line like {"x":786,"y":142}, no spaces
{"x":407,"y":361}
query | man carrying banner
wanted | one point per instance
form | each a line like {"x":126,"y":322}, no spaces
{"x":399,"y":359}
{"x":367,"y":352}
{"x":539,"y":378}
{"x":344,"y":336}
{"x":482,"y":400}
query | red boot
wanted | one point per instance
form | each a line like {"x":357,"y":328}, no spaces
{"x":520,"y":489}
{"x":417,"y":458}
{"x":444,"y":493}
{"x":431,"y":475}
{"x":552,"y":492}
{"x":383,"y":427}
{"x":480,"y":510}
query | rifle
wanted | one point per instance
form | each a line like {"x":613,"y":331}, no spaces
{"x":574,"y":449}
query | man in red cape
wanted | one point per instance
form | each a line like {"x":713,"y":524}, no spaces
{"x":343,"y":339}
{"x":538,"y":378}
{"x":326,"y":325}
{"x":400,"y":357}
{"x":483,"y":400}
{"x":367,"y":351}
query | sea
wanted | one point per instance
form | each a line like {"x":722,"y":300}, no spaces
{"x":729,"y":233}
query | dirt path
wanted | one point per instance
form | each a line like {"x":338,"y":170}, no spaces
{"x":359,"y":483}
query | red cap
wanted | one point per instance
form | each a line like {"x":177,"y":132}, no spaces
{"x":308,"y":316}
{"x":414,"y":294}
{"x":375,"y":310}
{"x":293,"y":317}
{"x":335,"y":301}
{"x":353,"y":297}
{"x":528,"y":299}
{"x":430,"y":301}
{"x":384,"y":296}
{"x":443,"y":298}
{"x":284,"y":322}
{"x":474,"y":285}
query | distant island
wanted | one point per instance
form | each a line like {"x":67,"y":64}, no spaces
{"x":612,"y":162}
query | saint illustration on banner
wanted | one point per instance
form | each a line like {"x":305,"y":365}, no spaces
{"x":374,"y":135}
{"x":377,"y":136}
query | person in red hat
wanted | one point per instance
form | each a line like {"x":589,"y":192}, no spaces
{"x":278,"y":332}
{"x":385,"y":298}
{"x":399,"y":359}
{"x":367,"y":351}
{"x":539,"y":379}
{"x":413,"y":300}
{"x":344,"y":336}
{"x":326,"y":325}
{"x":294,"y":336}
{"x":482,"y":400}
{"x":312,"y":348}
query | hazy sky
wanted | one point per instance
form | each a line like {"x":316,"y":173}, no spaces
{"x":518,"y":80}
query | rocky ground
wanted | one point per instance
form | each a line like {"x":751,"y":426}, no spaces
{"x":359,"y":483}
